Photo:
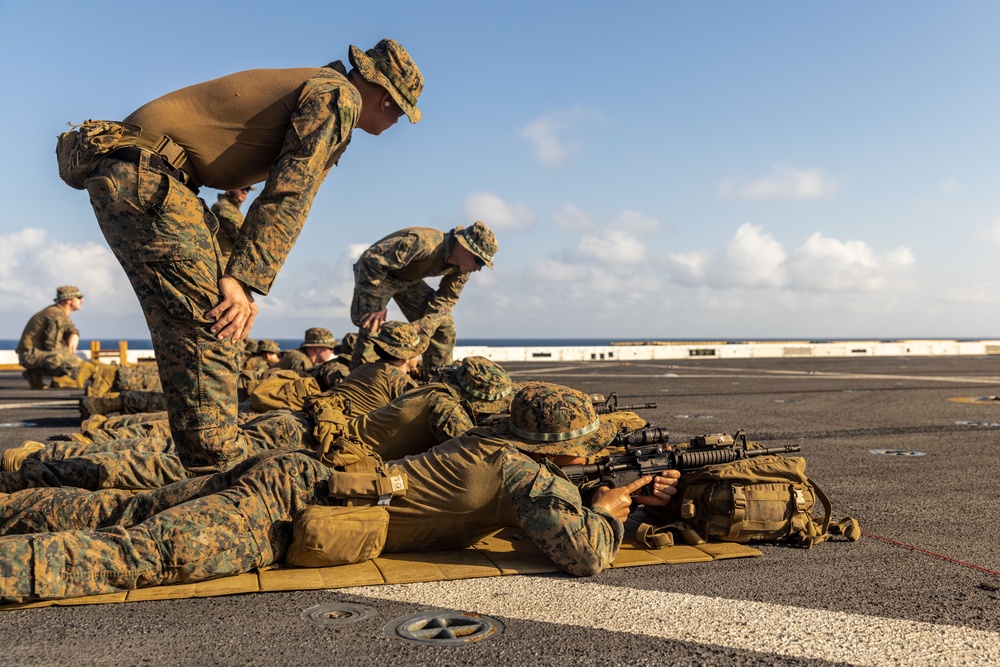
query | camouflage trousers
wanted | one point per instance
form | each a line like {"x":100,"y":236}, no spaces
{"x":199,"y":529}
{"x":164,"y":238}
{"x":148,"y":462}
{"x":57,"y":362}
{"x":413,"y":298}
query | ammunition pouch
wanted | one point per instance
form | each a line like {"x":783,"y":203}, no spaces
{"x":79,"y":150}
{"x":328,"y":536}
{"x":368,"y":486}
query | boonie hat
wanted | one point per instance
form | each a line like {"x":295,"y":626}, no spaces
{"x":268,"y":345}
{"x":249,"y":346}
{"x":67,"y":292}
{"x":400,"y":340}
{"x":484,"y":384}
{"x":479,"y":240}
{"x":552,"y":419}
{"x":390,"y":66}
{"x":319,"y":337}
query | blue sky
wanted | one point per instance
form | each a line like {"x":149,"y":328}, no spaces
{"x":658,"y":170}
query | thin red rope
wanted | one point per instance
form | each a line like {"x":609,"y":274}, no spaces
{"x":931,"y":553}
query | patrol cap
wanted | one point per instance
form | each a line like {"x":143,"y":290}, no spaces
{"x":268,"y":345}
{"x":552,"y":419}
{"x":484,"y":384}
{"x":67,"y":292}
{"x":479,"y":240}
{"x":319,"y":337}
{"x":400,"y":340}
{"x":390,"y":66}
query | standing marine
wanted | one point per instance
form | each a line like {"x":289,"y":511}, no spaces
{"x":227,"y":212}
{"x":285,"y":127}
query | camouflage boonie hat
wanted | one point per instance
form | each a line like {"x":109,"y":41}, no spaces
{"x":249,"y":346}
{"x":479,"y":240}
{"x":482,"y":383}
{"x":319,"y":337}
{"x":552,"y":419}
{"x":400,"y":340}
{"x":390,"y":66}
{"x":67,"y":292}
{"x":268,"y":345}
{"x":347,"y":343}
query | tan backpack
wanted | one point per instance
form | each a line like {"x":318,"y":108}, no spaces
{"x":282,"y":390}
{"x":763,"y":499}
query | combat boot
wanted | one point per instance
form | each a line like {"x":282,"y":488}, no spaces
{"x":100,"y":405}
{"x":34,"y":379}
{"x":11,"y":482}
{"x":102,"y":379}
{"x":64,"y":382}
{"x":86,"y":370}
{"x":13,"y":458}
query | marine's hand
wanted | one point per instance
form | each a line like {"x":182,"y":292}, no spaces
{"x":617,"y":502}
{"x":664,"y":488}
{"x":374,"y":320}
{"x":235,"y":314}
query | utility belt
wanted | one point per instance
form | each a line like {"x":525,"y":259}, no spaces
{"x":156,"y":161}
{"x":82,"y":148}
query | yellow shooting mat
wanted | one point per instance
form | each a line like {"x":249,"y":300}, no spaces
{"x":501,"y":554}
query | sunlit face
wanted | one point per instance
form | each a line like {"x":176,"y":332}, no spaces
{"x":239,"y":196}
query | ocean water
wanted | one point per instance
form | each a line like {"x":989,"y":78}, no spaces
{"x":292,"y":343}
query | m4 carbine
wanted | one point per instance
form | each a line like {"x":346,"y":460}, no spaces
{"x":604,"y":406}
{"x":645,"y":455}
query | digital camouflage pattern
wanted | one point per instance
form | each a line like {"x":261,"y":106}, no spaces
{"x":390,"y":66}
{"x":230,"y":218}
{"x":203,"y":528}
{"x":42,"y":346}
{"x":236,"y":521}
{"x":394,"y":268}
{"x":483,"y":384}
{"x":164,"y":237}
{"x":144,"y":463}
{"x":552,"y":419}
{"x":319,"y":337}
{"x":479,"y":240}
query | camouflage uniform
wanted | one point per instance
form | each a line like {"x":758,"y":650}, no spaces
{"x":143,"y":463}
{"x":237,"y":521}
{"x":42,"y":346}
{"x":230,"y":218}
{"x":436,"y":412}
{"x":395,"y":267}
{"x":286,"y":126}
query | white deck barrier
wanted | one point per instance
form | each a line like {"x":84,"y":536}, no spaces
{"x":696,"y":350}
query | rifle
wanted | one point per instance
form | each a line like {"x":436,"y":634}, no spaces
{"x":644,"y":456}
{"x":603,"y":406}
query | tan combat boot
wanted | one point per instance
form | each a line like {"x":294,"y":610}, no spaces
{"x":13,"y":458}
{"x":102,"y":379}
{"x":64,"y":382}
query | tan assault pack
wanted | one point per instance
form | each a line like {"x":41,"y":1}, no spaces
{"x":762,"y":499}
{"x":79,"y":150}
{"x":282,"y":390}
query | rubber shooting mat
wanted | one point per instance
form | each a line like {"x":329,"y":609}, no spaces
{"x":504,"y":553}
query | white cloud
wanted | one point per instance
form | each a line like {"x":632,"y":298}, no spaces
{"x":613,"y":247}
{"x":32,"y":265}
{"x":496,"y":213}
{"x":570,"y":218}
{"x":991,"y":233}
{"x":754,"y":259}
{"x":784,"y":182}
{"x":547,"y":134}
{"x":829,"y":265}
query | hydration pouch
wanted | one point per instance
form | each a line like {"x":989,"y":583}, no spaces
{"x":368,"y":487}
{"x":79,"y":150}
{"x":328,"y":536}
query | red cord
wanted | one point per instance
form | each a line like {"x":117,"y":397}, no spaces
{"x":931,"y":553}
